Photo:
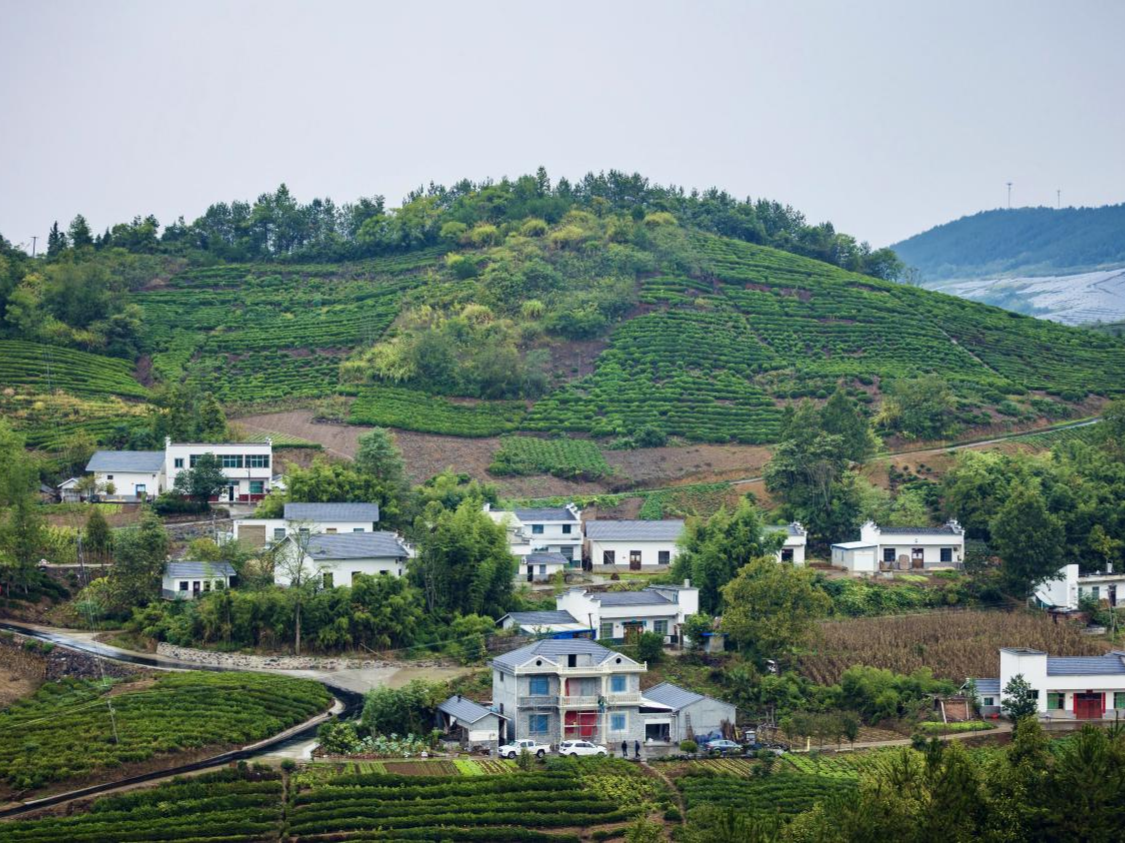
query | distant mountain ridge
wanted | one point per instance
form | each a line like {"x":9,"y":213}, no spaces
{"x":1018,"y":242}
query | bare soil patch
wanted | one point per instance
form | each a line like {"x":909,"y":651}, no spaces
{"x":427,"y":454}
{"x":700,"y":463}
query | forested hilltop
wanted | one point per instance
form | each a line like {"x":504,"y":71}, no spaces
{"x":611,"y":308}
{"x":1019,"y":241}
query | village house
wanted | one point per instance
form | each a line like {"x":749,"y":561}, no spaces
{"x":1075,"y":688}
{"x":640,"y":545}
{"x":186,"y":580}
{"x":540,"y":566}
{"x":796,"y":540}
{"x":542,"y":530}
{"x":310,"y":518}
{"x":556,"y":690}
{"x":616,"y":615}
{"x":556,"y":623}
{"x":902,"y":549}
{"x":472,"y":724}
{"x":336,"y":559}
{"x":137,"y":475}
{"x":128,"y":475}
{"x":1070,"y":587}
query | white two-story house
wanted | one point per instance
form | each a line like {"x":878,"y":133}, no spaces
{"x":246,"y":465}
{"x":542,"y":530}
{"x":136,"y":475}
{"x":615,"y":615}
{"x":638,"y":545}
{"x":310,"y":518}
{"x":902,"y":549}
{"x":1070,"y":587}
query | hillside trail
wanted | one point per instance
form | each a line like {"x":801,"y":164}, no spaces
{"x":1002,"y":727}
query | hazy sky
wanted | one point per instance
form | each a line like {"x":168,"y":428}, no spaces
{"x":884,"y":117}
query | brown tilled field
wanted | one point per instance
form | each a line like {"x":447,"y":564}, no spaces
{"x":427,"y":454}
{"x":956,"y":645}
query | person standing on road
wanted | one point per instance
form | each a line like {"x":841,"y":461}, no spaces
{"x":637,"y":749}
{"x":624,"y":749}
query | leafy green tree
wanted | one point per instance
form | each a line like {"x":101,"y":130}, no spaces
{"x":695,"y":629}
{"x":1019,"y":698}
{"x":380,"y":457}
{"x":402,"y":711}
{"x":139,"y":555}
{"x":649,"y":647}
{"x":1029,"y":539}
{"x":770,"y":610}
{"x":919,"y":408}
{"x":56,"y":241}
{"x":464,"y":563}
{"x":203,"y":480}
{"x":714,"y":550}
{"x":80,"y":235}
{"x":328,"y":481}
{"x":98,"y":538}
{"x":841,"y":416}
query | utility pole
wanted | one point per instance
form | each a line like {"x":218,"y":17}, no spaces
{"x":1009,"y":196}
{"x":33,"y":239}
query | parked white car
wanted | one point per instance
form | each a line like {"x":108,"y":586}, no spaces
{"x":513,"y":749}
{"x":581,"y":748}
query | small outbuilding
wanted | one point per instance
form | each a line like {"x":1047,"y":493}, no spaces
{"x":473,"y":725}
{"x":796,"y":540}
{"x":673,"y":714}
{"x":857,"y":557}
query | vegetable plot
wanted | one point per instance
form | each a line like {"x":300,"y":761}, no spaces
{"x":567,"y":458}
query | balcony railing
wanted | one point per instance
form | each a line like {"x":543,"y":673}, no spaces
{"x":578,"y":700}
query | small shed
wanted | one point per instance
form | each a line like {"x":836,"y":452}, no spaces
{"x":857,"y":557}
{"x":473,"y":724}
{"x":546,"y":624}
{"x":673,"y":714}
{"x":187,"y":580}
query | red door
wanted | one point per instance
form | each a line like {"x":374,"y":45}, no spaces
{"x":580,"y":725}
{"x":1088,"y":706}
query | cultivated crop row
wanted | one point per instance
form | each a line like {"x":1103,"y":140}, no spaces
{"x":66,"y":729}
{"x":409,"y":409}
{"x":570,"y":458}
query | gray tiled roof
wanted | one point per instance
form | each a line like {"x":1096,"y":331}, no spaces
{"x":181,"y":570}
{"x":652,"y":531}
{"x":464,"y":710}
{"x":645,"y":597}
{"x":560,"y":513}
{"x":918,"y":531}
{"x":671,"y":695}
{"x":543,"y":558}
{"x":376,"y":545}
{"x":989,"y":687}
{"x":1086,"y":666}
{"x":553,"y":649}
{"x":544,"y":617}
{"x":141,"y":462}
{"x":788,"y":529}
{"x":365,"y":512}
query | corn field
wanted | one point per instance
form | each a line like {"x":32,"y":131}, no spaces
{"x":955,"y":645}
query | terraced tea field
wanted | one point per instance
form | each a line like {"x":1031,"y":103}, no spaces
{"x":65,"y":731}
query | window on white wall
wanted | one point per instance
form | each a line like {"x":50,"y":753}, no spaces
{"x":617,"y":723}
